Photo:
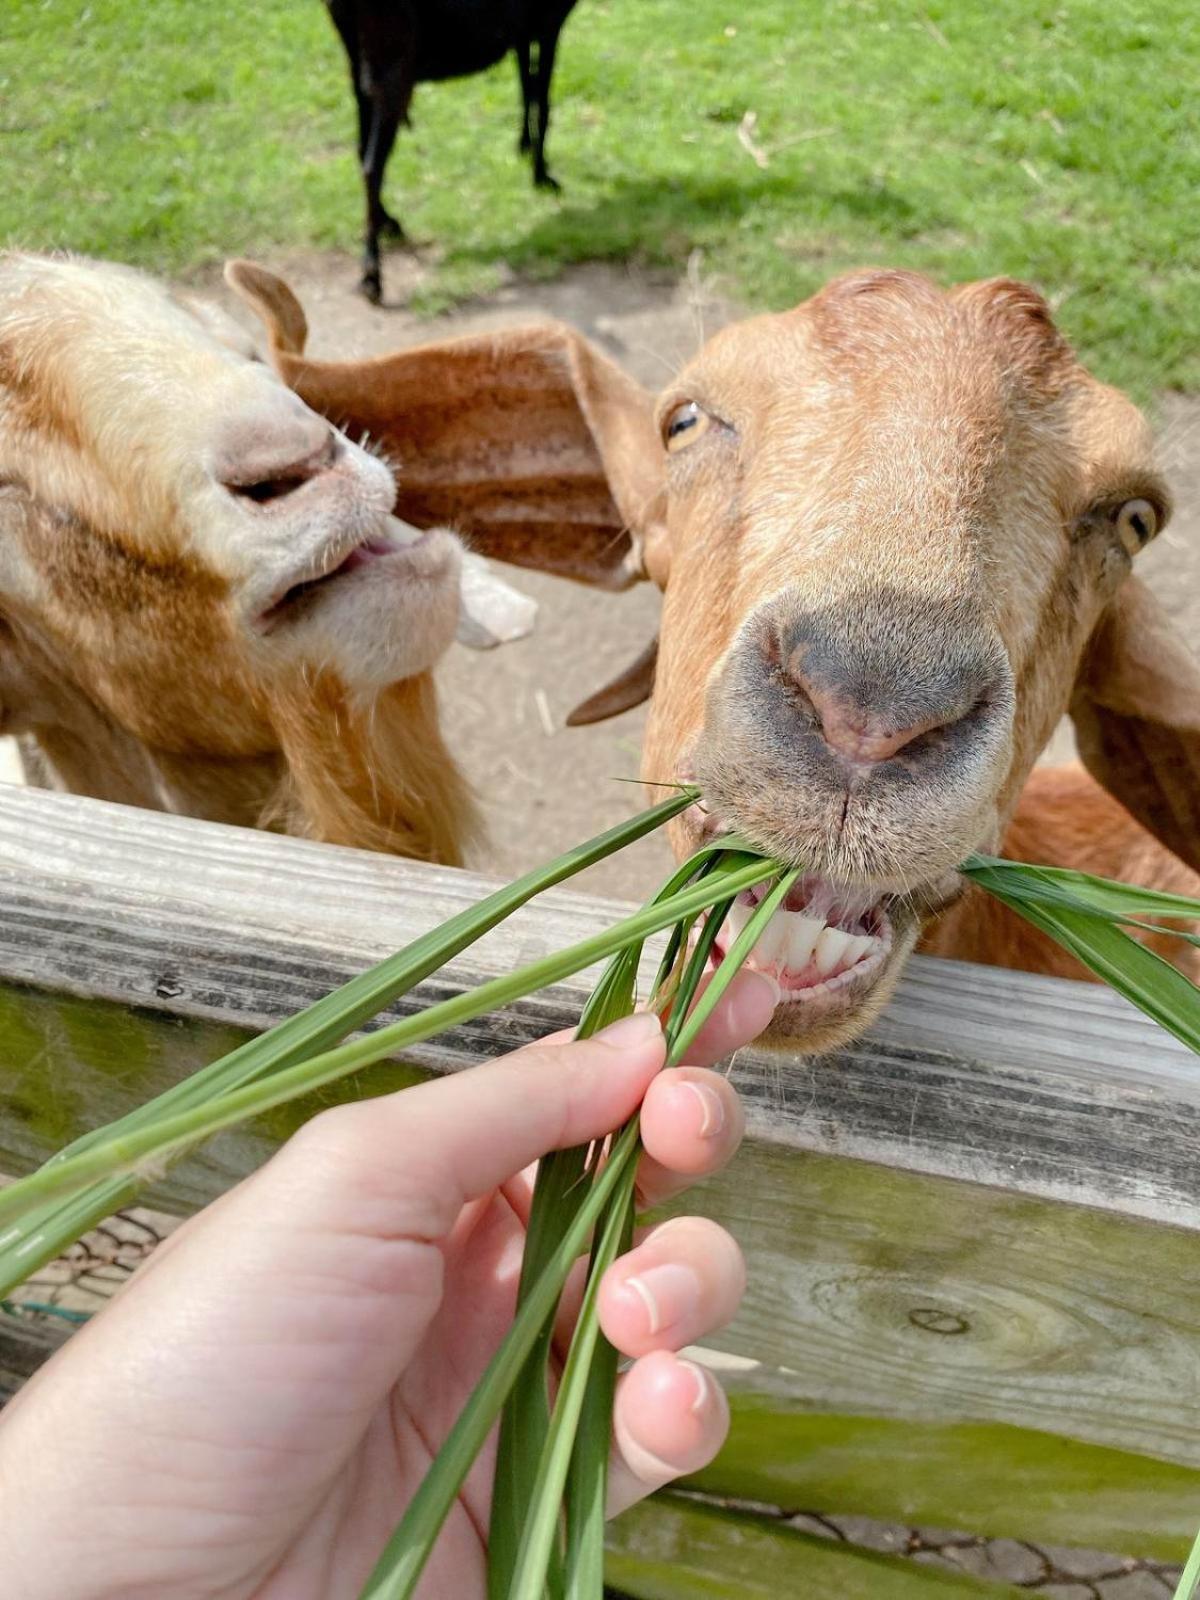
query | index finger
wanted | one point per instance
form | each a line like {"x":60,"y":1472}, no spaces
{"x":405,"y":1164}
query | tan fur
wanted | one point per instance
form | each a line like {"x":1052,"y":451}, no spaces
{"x":378,"y":777}
{"x":131,"y":661}
{"x":896,"y":512}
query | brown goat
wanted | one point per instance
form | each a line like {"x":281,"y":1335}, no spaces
{"x":206,"y":605}
{"x":894,"y":529}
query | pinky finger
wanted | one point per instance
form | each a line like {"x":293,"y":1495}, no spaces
{"x":670,"y":1418}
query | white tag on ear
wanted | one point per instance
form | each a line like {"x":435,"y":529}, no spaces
{"x":490,"y":611}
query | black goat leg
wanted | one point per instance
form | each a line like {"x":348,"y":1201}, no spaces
{"x":389,"y":106}
{"x":547,"y":45}
{"x":389,"y":226}
{"x":525,"y":142}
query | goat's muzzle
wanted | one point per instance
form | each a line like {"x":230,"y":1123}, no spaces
{"x":867,"y":740}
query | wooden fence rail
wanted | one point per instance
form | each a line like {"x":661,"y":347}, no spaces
{"x":972,"y":1236}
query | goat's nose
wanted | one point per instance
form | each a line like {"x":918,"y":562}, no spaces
{"x":861,"y":735}
{"x":268,"y":456}
{"x":873,"y":681}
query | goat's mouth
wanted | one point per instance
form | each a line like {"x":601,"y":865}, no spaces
{"x":407,"y":552}
{"x":833,"y":950}
{"x":824,"y":949}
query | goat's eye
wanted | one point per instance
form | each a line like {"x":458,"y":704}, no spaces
{"x":684,"y":425}
{"x":1136,"y":523}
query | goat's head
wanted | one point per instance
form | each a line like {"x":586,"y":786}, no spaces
{"x":185,"y":547}
{"x":895,"y":518}
{"x":894,"y":528}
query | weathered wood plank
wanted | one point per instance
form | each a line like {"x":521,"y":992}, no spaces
{"x":898,"y":1295}
{"x":672,"y":1548}
{"x":1039,"y":1086}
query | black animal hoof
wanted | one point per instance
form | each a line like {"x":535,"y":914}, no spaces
{"x":390,"y":228}
{"x":543,"y":180}
{"x":371,"y":288}
{"x":524,"y":143}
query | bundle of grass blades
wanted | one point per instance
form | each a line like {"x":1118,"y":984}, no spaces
{"x":546,"y":1537}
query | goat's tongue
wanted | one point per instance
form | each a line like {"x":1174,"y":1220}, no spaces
{"x":362,"y":555}
{"x":820,"y":936}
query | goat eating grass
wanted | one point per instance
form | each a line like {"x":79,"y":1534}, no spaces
{"x":895,"y":530}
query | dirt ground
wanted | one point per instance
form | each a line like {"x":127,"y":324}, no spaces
{"x":545,"y":786}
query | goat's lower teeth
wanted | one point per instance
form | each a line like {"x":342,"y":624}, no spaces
{"x":792,"y":943}
{"x":830,"y":948}
{"x":802,"y":935}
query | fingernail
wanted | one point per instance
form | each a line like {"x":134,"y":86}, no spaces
{"x":711,"y":1107}
{"x":669,"y":1293}
{"x":626,"y":1032}
{"x":703,"y":1384}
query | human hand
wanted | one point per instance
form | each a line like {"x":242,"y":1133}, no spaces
{"x":250,"y":1416}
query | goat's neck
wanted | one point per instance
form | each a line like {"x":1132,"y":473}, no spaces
{"x":107,"y":763}
{"x":372,"y":772}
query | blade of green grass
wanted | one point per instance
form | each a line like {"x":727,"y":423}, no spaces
{"x":586,"y":1489}
{"x":540,"y":1533}
{"x":1144,"y":978}
{"x":1062,"y":886}
{"x":400,"y":1566}
{"x":1185,"y":1589}
{"x":587,"y":1474}
{"x":558,"y":1188}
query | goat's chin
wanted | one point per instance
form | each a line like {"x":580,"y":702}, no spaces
{"x":392,"y":620}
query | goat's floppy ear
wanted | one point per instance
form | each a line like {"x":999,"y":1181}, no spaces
{"x":528,"y":441}
{"x":281,"y":313}
{"x":628,"y":689}
{"x":1136,"y":708}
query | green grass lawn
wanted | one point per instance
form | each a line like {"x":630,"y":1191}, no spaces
{"x":1056,"y":140}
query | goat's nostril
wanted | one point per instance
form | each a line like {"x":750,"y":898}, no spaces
{"x":265,"y":470}
{"x":268,"y":488}
{"x":866,"y":737}
{"x":869,"y":740}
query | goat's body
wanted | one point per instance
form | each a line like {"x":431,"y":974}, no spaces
{"x":394,"y":46}
{"x":1064,"y":819}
